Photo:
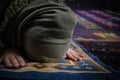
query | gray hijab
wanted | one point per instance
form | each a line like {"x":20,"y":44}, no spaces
{"x":44,"y":38}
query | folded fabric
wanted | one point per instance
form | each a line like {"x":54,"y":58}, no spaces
{"x":43,"y":29}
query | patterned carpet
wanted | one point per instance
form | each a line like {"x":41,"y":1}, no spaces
{"x":90,"y":35}
{"x":98,"y":32}
{"x":90,"y":68}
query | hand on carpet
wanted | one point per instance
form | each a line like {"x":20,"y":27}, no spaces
{"x":73,"y":55}
{"x":11,"y":59}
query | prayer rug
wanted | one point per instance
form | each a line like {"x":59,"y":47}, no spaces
{"x":88,"y":69}
{"x":98,"y":31}
{"x":91,"y":35}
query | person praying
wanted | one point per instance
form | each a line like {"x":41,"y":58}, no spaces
{"x":36,"y":30}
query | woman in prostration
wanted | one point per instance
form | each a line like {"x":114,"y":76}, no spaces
{"x":36,"y":30}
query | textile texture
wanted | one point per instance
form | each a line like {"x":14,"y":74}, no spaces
{"x":90,"y":68}
{"x":98,"y":31}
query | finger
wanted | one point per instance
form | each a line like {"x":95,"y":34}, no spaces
{"x":76,"y":55}
{"x":20,"y":60}
{"x":80,"y":57}
{"x":71,"y":57}
{"x":14,"y":61}
{"x":7,"y":62}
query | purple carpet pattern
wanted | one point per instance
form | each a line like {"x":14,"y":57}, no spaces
{"x":99,"y":32}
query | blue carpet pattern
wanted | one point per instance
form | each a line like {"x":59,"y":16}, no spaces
{"x":91,"y":68}
{"x":85,"y":70}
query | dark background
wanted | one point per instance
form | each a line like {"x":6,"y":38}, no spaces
{"x":112,"y":5}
